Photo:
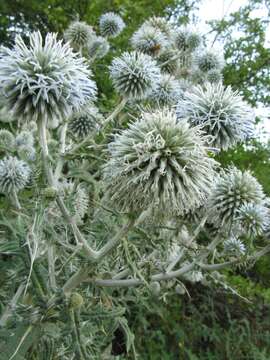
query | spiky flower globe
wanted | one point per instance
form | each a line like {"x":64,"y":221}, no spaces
{"x":253,"y":219}
{"x":85,"y":121}
{"x":214,"y":76}
{"x":44,"y":80}
{"x":134,"y":75}
{"x":220,"y":112}
{"x":161,"y":24}
{"x":26,"y":152}
{"x":98,"y":47}
{"x":167,"y":92}
{"x":111,"y":24}
{"x":24,"y":138}
{"x":148,"y":40}
{"x":79,"y":34}
{"x":232,"y":190}
{"x":7,"y":140}
{"x":209,"y":60}
{"x":160,"y":165}
{"x":186,"y":39}
{"x":14,"y":174}
{"x":234,"y":246}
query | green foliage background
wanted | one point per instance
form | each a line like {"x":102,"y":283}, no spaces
{"x":210,"y":324}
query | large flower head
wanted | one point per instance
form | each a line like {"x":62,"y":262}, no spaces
{"x":134,"y":75}
{"x":111,"y":24}
{"x":233,"y":189}
{"x":79,"y":34}
{"x":220,"y":111}
{"x":148,"y":40}
{"x":14,"y":174}
{"x":44,"y":80}
{"x":159,"y":164}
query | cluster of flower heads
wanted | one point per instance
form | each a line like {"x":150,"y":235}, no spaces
{"x":159,"y":164}
{"x":220,"y":112}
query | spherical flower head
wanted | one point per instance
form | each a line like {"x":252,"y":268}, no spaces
{"x":160,"y":165}
{"x":148,"y":40}
{"x":78,"y":34}
{"x":44,"y":80}
{"x":160,"y":24}
{"x":233,"y":189}
{"x":134,"y":75}
{"x":253,"y":219}
{"x":186,"y":39}
{"x":209,"y":60}
{"x":6,"y":116}
{"x":214,"y":76}
{"x":167,"y":92}
{"x":14,"y":174}
{"x":167,"y":61}
{"x":84,"y":122}
{"x":234,"y":246}
{"x":111,"y":24}
{"x":98,"y":47}
{"x":220,"y":111}
{"x":7,"y":140}
{"x":25,"y":137}
{"x":27,"y":153}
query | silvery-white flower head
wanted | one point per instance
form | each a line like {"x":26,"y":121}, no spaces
{"x":234,"y":246}
{"x":167,"y":92}
{"x":26,"y":153}
{"x":44,"y":80}
{"x":209,"y":60}
{"x":220,"y":111}
{"x":186,"y":39}
{"x":160,"y":165}
{"x":214,"y":76}
{"x":111,"y":24}
{"x":79,"y":34}
{"x":232,"y":190}
{"x":98,"y":47}
{"x":84,"y":122}
{"x":134,"y":75}
{"x":14,"y":174}
{"x":148,"y":40}
{"x":161,"y":24}
{"x":7,"y":140}
{"x":25,"y":137}
{"x":167,"y":61}
{"x":253,"y":219}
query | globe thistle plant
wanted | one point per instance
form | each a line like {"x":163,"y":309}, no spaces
{"x":253,"y":219}
{"x":84,"y":122}
{"x":234,"y":246}
{"x":45,"y":79}
{"x":79,"y":34}
{"x":186,"y":39}
{"x":111,"y":24}
{"x":209,"y":60}
{"x":14,"y":174}
{"x":167,"y":92}
{"x":158,"y":163}
{"x":134,"y":75}
{"x":233,"y":190}
{"x":220,"y":112}
{"x":148,"y":40}
{"x":98,"y":47}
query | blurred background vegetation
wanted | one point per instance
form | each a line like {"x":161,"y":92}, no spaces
{"x":230,"y":323}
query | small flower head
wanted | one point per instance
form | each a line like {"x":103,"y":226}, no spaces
{"x":24,"y":138}
{"x":233,"y":189}
{"x":78,"y":34}
{"x":44,"y":80}
{"x":234,"y":246}
{"x":134,"y":75}
{"x":220,"y":112}
{"x":160,"y":24}
{"x":85,"y":121}
{"x":98,"y":47}
{"x":186,"y":39}
{"x":111,"y":24}
{"x":167,"y":61}
{"x":159,"y":164}
{"x":209,"y":60}
{"x":148,"y":40}
{"x":253,"y":219}
{"x":167,"y":92}
{"x":214,"y":76}
{"x":7,"y":140}
{"x":26,"y":153}
{"x":14,"y":174}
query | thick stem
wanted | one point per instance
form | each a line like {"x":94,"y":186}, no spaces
{"x":115,"y":112}
{"x":60,"y":162}
{"x":51,"y":264}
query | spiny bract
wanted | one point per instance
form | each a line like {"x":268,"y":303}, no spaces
{"x":79,"y":34}
{"x":44,"y":80}
{"x":134,"y":75}
{"x":14,"y":174}
{"x":111,"y":24}
{"x":232,"y":190}
{"x":159,"y":164}
{"x":148,"y":40}
{"x":220,"y":111}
